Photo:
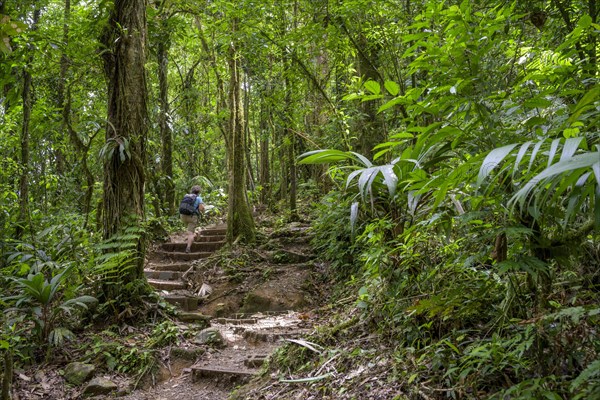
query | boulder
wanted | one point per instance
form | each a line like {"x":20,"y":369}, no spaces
{"x":211,"y":337}
{"x":99,"y":386}
{"x":77,"y":373}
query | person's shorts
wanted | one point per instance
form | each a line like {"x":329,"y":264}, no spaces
{"x":191,"y":221}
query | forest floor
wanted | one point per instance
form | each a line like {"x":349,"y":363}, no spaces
{"x":260,"y":298}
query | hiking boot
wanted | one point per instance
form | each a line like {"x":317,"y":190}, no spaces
{"x":187,"y":249}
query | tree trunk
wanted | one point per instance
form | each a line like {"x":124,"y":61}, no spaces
{"x":124,"y":150}
{"x":64,"y":102}
{"x":248,"y":137}
{"x":240,"y":224}
{"x":265,"y":177}
{"x":289,"y":141}
{"x":7,"y":375}
{"x":27,"y":108}
{"x":593,"y":40}
{"x":168,"y":186}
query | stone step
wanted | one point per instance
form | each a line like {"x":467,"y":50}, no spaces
{"x":213,"y":232}
{"x":186,"y":303}
{"x":270,"y":336}
{"x":223,"y":375}
{"x":209,"y":238}
{"x":256,"y":360}
{"x":159,"y":284}
{"x":174,"y":267}
{"x":193,"y":316}
{"x":182,"y":256}
{"x":197,"y":247}
{"x":236,"y":321}
{"x":163,"y":275}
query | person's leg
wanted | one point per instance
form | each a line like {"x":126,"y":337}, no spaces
{"x":191,"y":228}
{"x":190,"y":240}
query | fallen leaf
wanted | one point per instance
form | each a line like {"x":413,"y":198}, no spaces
{"x":24,"y":377}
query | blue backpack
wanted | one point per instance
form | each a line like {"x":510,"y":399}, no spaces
{"x":186,"y":207}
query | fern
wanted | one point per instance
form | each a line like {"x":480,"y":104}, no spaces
{"x":589,"y":376}
{"x":119,"y":253}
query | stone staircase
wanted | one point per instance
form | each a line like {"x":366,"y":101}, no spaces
{"x":171,"y":261}
{"x":250,"y":342}
{"x":245,"y":340}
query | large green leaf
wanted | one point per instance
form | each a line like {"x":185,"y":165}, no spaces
{"x":520,"y":156}
{"x":327,"y":156}
{"x":323,"y":157}
{"x":392,"y":87}
{"x":585,"y":160}
{"x":373,"y":87}
{"x":587,"y":100}
{"x":570,"y":147}
{"x":492,"y":160}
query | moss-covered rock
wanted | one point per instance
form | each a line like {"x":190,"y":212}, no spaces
{"x":77,"y":373}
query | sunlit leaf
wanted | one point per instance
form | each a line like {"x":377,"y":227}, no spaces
{"x":553,"y":150}
{"x":323,"y":157}
{"x":537,"y":102}
{"x":373,"y":87}
{"x":392,"y":87}
{"x":570,"y":147}
{"x":520,"y":156}
{"x":353,"y":216}
{"x":586,"y":160}
{"x":590,"y":97}
{"x":492,"y":160}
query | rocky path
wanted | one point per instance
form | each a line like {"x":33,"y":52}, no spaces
{"x":236,"y":306}
{"x":236,"y":313}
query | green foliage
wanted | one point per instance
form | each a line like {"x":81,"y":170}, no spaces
{"x":408,"y":177}
{"x":122,"y":357}
{"x":472,"y":254}
{"x":136,"y":353}
{"x":41,"y":302}
{"x":587,"y":384}
{"x":119,"y":254}
{"x":459,"y":268}
{"x":163,"y":334}
{"x":43,"y":299}
{"x":9,"y":28}
{"x":332,"y":234}
{"x":568,"y":179}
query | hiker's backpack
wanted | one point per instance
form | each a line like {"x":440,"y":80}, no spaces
{"x":186,"y":207}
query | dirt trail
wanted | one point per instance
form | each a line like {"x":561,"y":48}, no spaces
{"x":257,"y":298}
{"x":236,"y":307}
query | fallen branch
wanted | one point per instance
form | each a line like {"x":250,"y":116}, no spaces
{"x":310,"y":379}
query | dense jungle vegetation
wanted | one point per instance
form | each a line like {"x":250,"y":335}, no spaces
{"x":447,"y":151}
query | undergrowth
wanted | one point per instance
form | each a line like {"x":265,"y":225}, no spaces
{"x":436,"y":316}
{"x":53,"y":282}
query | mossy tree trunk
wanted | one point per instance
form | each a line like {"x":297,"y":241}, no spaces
{"x":27,"y":98}
{"x":265,"y":175}
{"x":240,"y":224}
{"x":290,"y":139}
{"x":162,"y":54}
{"x":64,"y":102}
{"x":7,"y":375}
{"x":124,"y":151}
